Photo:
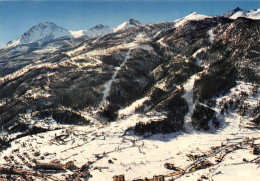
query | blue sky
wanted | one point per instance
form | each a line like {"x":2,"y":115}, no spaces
{"x":16,"y":17}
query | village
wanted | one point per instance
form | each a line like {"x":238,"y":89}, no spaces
{"x":36,"y":168}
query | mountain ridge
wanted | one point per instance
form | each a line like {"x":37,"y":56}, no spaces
{"x":100,"y":30}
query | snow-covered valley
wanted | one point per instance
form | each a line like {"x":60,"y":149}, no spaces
{"x":111,"y":149}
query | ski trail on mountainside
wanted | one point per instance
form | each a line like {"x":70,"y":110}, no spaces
{"x":109,"y":83}
{"x":188,"y":96}
{"x":211,"y":36}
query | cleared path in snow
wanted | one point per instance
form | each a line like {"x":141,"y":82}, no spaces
{"x":109,"y":83}
{"x":211,"y":36}
{"x":188,"y":96}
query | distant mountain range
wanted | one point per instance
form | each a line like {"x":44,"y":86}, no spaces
{"x":48,"y":31}
{"x":45,"y":32}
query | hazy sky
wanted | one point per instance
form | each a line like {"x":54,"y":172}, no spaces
{"x":16,"y":17}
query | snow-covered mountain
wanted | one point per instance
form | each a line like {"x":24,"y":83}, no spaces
{"x":93,"y":32}
{"x":184,"y":92}
{"x":130,"y":23}
{"x":232,"y":12}
{"x":49,"y":32}
{"x":192,"y":16}
{"x":43,"y":32}
{"x":253,"y":14}
{"x":238,"y":12}
{"x":45,"y":39}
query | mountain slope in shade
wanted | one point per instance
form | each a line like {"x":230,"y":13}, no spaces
{"x":44,"y":31}
{"x":127,"y":24}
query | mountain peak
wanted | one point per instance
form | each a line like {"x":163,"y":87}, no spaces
{"x":193,"y":13}
{"x":47,"y":24}
{"x":232,"y":12}
{"x":95,"y":31}
{"x":98,"y":27}
{"x":45,"y":32}
{"x":252,"y":14}
{"x":237,"y":9}
{"x":43,"y":25}
{"x":191,"y":16}
{"x":134,"y":22}
{"x":130,"y":23}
